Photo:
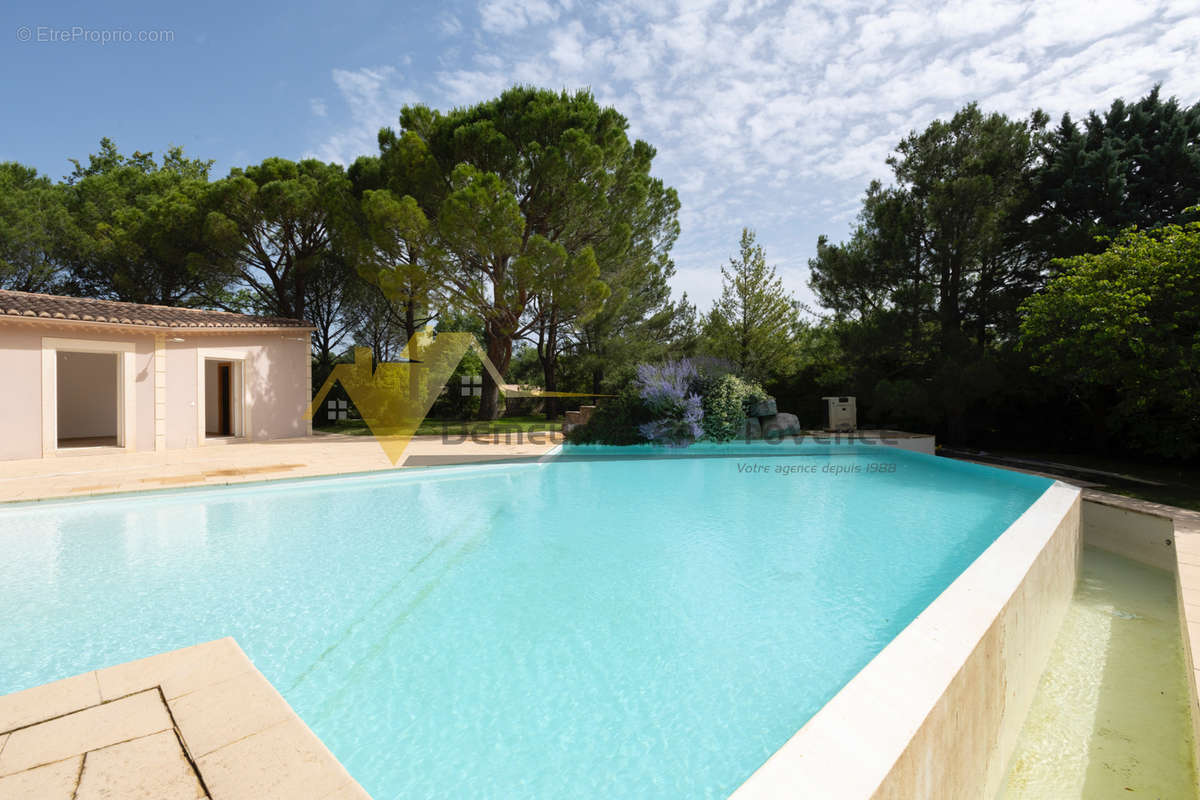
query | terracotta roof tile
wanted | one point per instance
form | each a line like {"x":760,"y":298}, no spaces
{"x":86,"y":309}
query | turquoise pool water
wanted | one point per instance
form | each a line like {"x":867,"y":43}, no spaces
{"x":601,"y":628}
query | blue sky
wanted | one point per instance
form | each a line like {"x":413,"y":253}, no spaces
{"x":766,"y":114}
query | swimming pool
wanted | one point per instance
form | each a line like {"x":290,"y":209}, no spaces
{"x":641,"y":627}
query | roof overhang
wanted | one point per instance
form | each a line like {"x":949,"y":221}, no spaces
{"x":152,"y":330}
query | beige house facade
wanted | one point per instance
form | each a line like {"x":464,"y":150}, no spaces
{"x":78,"y":375}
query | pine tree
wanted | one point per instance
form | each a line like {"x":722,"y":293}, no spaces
{"x":753,"y":324}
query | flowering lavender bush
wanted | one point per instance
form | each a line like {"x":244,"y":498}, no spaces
{"x":668,"y":394}
{"x":675,"y":403}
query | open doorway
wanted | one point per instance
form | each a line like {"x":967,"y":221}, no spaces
{"x":88,"y":397}
{"x":222,"y":408}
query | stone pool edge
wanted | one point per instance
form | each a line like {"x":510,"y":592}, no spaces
{"x":202,"y":715}
{"x":937,"y":712}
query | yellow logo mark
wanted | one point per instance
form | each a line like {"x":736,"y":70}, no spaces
{"x":395,"y":397}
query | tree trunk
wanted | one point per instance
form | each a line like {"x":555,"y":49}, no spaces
{"x":410,"y":321}
{"x":299,"y":288}
{"x":983,"y":292}
{"x":499,"y":352}
{"x":414,"y":354}
{"x":548,"y":353}
{"x":947,"y":303}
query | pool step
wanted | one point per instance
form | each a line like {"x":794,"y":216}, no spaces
{"x":581,"y":417}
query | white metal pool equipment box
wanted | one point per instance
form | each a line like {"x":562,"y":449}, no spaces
{"x":840,"y":414}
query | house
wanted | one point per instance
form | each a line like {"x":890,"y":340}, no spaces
{"x":80,"y":373}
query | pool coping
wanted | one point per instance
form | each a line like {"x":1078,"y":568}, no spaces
{"x":993,"y":620}
{"x":83,"y":475}
{"x":398,"y":474}
{"x":239,"y":738}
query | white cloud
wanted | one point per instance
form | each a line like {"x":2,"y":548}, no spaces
{"x":509,"y":16}
{"x":1074,"y":22}
{"x":461,"y":86}
{"x":374,"y":96}
{"x":318,"y":107}
{"x":777,"y":115}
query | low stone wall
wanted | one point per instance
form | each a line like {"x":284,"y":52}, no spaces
{"x":910,"y":441}
{"x":964,"y":747}
{"x":937,"y":713}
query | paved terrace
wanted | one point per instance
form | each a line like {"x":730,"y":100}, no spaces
{"x":196,"y":723}
{"x":100,"y":471}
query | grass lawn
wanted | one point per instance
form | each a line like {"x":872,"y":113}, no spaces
{"x":453,"y":427}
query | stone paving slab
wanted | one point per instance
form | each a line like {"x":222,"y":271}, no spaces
{"x":176,"y":672}
{"x":149,"y":768}
{"x":48,"y":782}
{"x":280,"y":763}
{"x":222,"y":713}
{"x":49,"y":700}
{"x":195,"y":723}
{"x":88,"y":729}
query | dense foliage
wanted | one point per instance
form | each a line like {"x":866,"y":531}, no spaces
{"x":1136,"y":164}
{"x":753,"y":323}
{"x":928,"y":295}
{"x":675,"y":408}
{"x":726,"y":401}
{"x":531,"y":219}
{"x":675,"y":402}
{"x":36,"y":230}
{"x":279,"y":223}
{"x":534,"y":198}
{"x":991,"y":292}
{"x":140,"y":228}
{"x":1120,"y":330}
{"x":617,"y":421}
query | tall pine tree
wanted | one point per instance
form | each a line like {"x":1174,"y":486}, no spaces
{"x":753,"y":323}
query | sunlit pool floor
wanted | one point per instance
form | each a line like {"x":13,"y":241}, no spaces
{"x":1110,"y":718}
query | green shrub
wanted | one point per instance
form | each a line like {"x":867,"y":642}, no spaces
{"x":615,"y":421}
{"x":726,"y":401}
{"x":638,"y":411}
{"x":452,"y":403}
{"x":755,"y":394}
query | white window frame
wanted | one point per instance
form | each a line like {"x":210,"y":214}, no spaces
{"x":240,"y":407}
{"x":126,"y":376}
